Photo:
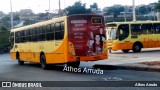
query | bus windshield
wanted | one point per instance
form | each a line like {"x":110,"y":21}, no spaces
{"x":111,"y":33}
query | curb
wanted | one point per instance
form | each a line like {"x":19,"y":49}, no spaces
{"x":137,"y":67}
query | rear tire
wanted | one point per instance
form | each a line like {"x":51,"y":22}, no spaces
{"x":125,"y":50}
{"x":19,"y":60}
{"x":137,"y":48}
{"x":43,"y":62}
{"x":73,"y":64}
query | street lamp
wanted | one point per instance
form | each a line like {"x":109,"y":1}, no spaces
{"x":49,"y":10}
{"x":134,"y":13}
{"x":59,"y":7}
{"x":11,"y":15}
{"x":49,"y":6}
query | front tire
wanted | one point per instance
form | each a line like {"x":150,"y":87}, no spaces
{"x":43,"y":62}
{"x":137,"y":48}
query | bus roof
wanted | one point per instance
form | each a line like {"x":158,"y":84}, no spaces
{"x":39,"y":24}
{"x":49,"y":22}
{"x":134,"y":22}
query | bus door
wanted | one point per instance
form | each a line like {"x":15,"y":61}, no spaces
{"x":86,"y":34}
{"x":124,"y":38}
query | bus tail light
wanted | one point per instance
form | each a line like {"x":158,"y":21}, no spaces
{"x":104,"y":46}
{"x":71,"y":48}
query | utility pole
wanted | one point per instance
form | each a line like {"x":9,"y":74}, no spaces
{"x":59,"y":8}
{"x":49,"y":9}
{"x":134,"y":13}
{"x":125,"y":13}
{"x":11,"y":15}
{"x":49,"y":6}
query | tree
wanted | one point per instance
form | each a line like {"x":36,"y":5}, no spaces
{"x":3,"y":28}
{"x":143,"y":10}
{"x":4,"y":36}
{"x":6,"y":18}
{"x":16,"y":17}
{"x":157,"y":8}
{"x":95,"y":5}
{"x":77,"y":8}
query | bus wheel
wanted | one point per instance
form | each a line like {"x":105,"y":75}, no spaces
{"x":19,"y":60}
{"x":73,"y":64}
{"x":43,"y":62}
{"x":125,"y":50}
{"x":137,"y":48}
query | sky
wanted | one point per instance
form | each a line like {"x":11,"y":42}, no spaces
{"x":43,"y":5}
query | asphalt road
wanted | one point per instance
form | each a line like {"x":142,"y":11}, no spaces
{"x":11,"y":71}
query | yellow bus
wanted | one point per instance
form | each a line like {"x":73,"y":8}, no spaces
{"x":134,"y":35}
{"x":64,"y":40}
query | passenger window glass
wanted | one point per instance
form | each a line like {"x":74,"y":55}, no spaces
{"x":136,"y":29}
{"x":59,"y":31}
{"x":146,"y":28}
{"x":156,"y":28}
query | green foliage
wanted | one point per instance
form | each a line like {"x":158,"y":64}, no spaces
{"x":77,"y":8}
{"x":4,"y":36}
{"x":6,"y":18}
{"x":3,"y":28}
{"x":16,"y":17}
{"x":157,"y":6}
{"x":114,"y":10}
{"x":94,"y":6}
{"x":143,"y":10}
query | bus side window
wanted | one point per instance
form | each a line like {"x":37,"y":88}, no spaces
{"x":36,"y":33}
{"x":62,"y":30}
{"x":30,"y":35}
{"x":11,"y":39}
{"x":33,"y":35}
{"x":48,"y":32}
{"x":136,"y":29}
{"x":57,"y":31}
{"x":16,"y":37}
{"x":22,"y":37}
{"x":52,"y":34}
{"x":146,"y":28}
{"x":156,"y":28}
{"x":42,"y":35}
{"x":27,"y":35}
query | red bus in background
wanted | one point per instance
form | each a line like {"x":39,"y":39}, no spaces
{"x":87,"y":34}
